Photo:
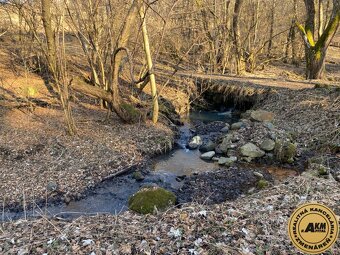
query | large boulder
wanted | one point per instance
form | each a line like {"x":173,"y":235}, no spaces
{"x":149,"y":199}
{"x":262,"y":116}
{"x":195,"y":142}
{"x":252,"y":151}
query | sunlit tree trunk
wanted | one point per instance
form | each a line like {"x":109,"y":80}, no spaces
{"x":142,"y":13}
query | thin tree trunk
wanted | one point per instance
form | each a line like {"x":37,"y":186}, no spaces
{"x":272,"y":24}
{"x":142,"y":13}
{"x":47,"y":23}
{"x":240,"y":65}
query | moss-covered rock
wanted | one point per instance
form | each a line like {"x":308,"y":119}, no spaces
{"x":148,"y":199}
{"x":285,"y":151}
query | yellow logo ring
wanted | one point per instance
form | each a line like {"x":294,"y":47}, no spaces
{"x":313,"y":228}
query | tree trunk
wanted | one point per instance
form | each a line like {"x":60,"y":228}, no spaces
{"x":47,"y":23}
{"x":316,"y":51}
{"x":117,"y":59}
{"x":240,"y":65}
{"x":272,"y":24}
{"x":142,"y":12}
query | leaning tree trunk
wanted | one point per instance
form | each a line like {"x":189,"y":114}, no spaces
{"x":117,"y":59}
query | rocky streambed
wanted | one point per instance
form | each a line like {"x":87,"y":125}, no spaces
{"x":218,"y":157}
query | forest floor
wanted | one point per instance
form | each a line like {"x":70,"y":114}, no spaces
{"x":39,"y":162}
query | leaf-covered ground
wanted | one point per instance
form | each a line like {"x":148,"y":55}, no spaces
{"x":255,"y":224}
{"x":39,"y":162}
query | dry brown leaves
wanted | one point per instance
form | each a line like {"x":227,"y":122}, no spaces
{"x":35,"y":151}
{"x":254,"y":224}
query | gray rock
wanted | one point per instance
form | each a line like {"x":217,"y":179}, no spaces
{"x":225,"y":129}
{"x":208,"y":155}
{"x":208,"y":146}
{"x":222,"y":160}
{"x":267,"y":145}
{"x":215,"y":159}
{"x":258,"y":175}
{"x":251,"y":150}
{"x":237,"y":125}
{"x":227,"y":161}
{"x":195,"y":142}
{"x":269,"y":125}
{"x":262,"y":116}
{"x":225,"y":145}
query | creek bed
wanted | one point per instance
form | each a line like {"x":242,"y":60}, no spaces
{"x":181,"y":171}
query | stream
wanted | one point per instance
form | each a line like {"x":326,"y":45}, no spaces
{"x":180,"y":171}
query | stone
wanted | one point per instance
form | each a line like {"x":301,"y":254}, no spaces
{"x":237,"y":125}
{"x":225,"y":145}
{"x":262,"y":116}
{"x":208,"y":146}
{"x":251,"y":150}
{"x":195,"y":142}
{"x":148,"y":200}
{"x":225,"y":129}
{"x":227,"y":161}
{"x":269,"y":125}
{"x":208,"y":155}
{"x":138,"y":176}
{"x":215,"y":159}
{"x":258,"y":175}
{"x":222,"y":160}
{"x":267,"y":145}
